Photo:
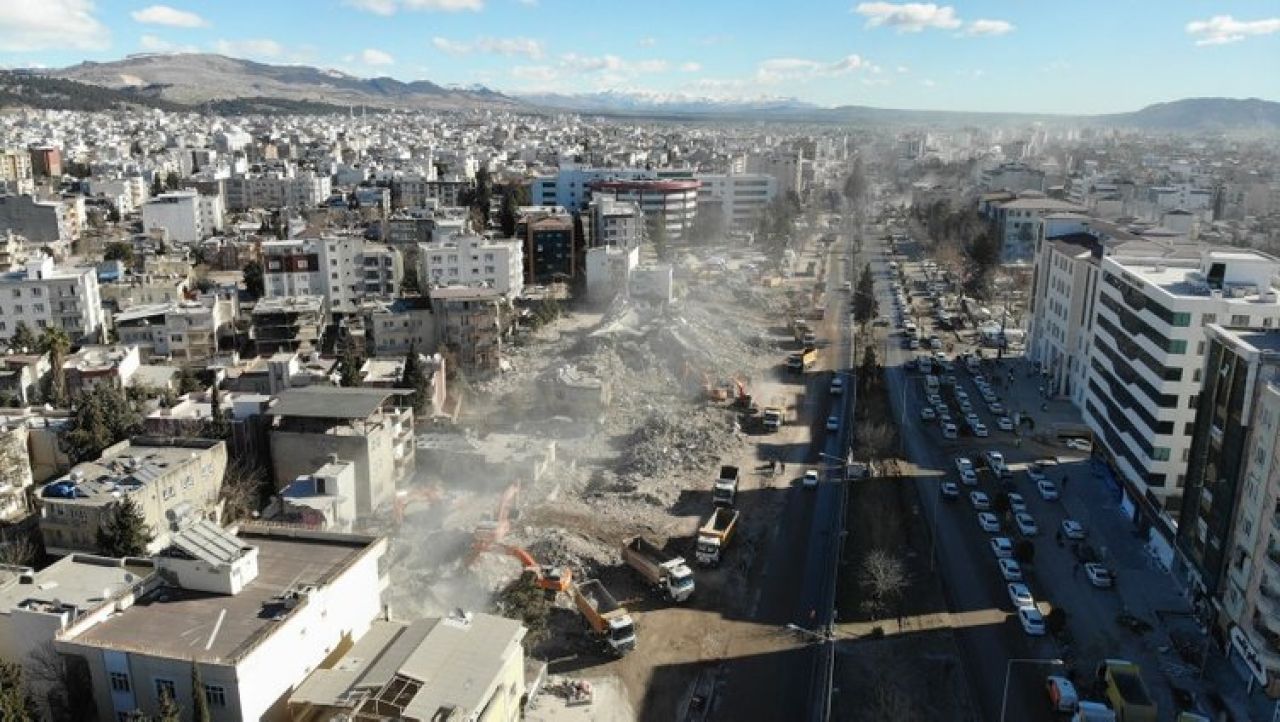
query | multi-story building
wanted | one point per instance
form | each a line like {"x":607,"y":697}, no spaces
{"x":43,"y":295}
{"x":341,"y":269}
{"x":288,"y":323}
{"x":383,"y":270}
{"x":367,"y":427}
{"x":472,"y":324}
{"x":1013,"y":177}
{"x":187,"y":332}
{"x":393,"y":327}
{"x":1147,"y":356}
{"x":473,"y":261}
{"x":465,"y":666}
{"x":168,"y":478}
{"x":614,"y":223}
{"x":46,"y":161}
{"x":39,"y":222}
{"x":671,"y":204}
{"x":177,"y":214}
{"x":22,"y":375}
{"x":786,"y":167}
{"x":15,"y":485}
{"x":148,"y":289}
{"x":15,"y":172}
{"x":1229,"y":530}
{"x":550,"y":249}
{"x":570,"y":187}
{"x":738,"y":198}
{"x":91,"y":366}
{"x":268,"y":607}
{"x":278,"y":190}
{"x":419,"y":192}
{"x":1016,"y":223}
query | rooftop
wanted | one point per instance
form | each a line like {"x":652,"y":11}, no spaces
{"x":331,"y":402}
{"x":181,"y":624}
{"x":294,"y":304}
{"x":124,"y":468}
{"x":77,"y":581}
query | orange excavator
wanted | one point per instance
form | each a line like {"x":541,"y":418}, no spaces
{"x":492,"y":532}
{"x":405,"y":497}
{"x":545,"y":576}
{"x":711,"y":390}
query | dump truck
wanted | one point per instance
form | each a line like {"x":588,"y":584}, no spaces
{"x":665,"y":572}
{"x":608,"y":619}
{"x":726,"y":486}
{"x":772,"y":418}
{"x":801,"y":360}
{"x":715,"y":534}
{"x":799,"y":327}
{"x":1125,"y":691}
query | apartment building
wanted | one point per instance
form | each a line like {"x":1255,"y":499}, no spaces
{"x":43,"y":295}
{"x":278,"y":190}
{"x":1148,"y":353}
{"x":169,"y":478}
{"x":39,"y":222}
{"x":367,"y":427}
{"x":188,"y":331}
{"x":22,"y":375}
{"x":269,"y":605}
{"x":419,"y":192}
{"x":472,"y":324}
{"x":615,"y":223}
{"x":570,"y":186}
{"x":1017,"y":223}
{"x":1229,"y":529}
{"x":324,"y":499}
{"x":15,"y":484}
{"x":287,"y":324}
{"x":15,"y":170}
{"x":341,"y":269}
{"x":395,"y":326}
{"x":1013,"y":177}
{"x":671,"y":204}
{"x":91,"y":366}
{"x":464,"y":666}
{"x":785,"y":167}
{"x":550,"y":248}
{"x":177,"y":214}
{"x":738,"y":198}
{"x":473,"y":261}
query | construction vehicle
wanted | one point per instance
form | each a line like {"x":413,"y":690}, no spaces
{"x":715,"y":534}
{"x":493,"y":531}
{"x":662,"y":571}
{"x":742,"y":400}
{"x":726,"y":486}
{"x":712,"y":391}
{"x":772,"y":418}
{"x":608,"y":619}
{"x":1125,"y":691}
{"x":545,"y":576}
{"x":405,"y":497}
{"x":801,"y":360}
{"x":799,"y":327}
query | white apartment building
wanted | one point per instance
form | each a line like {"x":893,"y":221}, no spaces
{"x":1017,"y":223}
{"x":341,"y":269}
{"x":670,"y":203}
{"x":738,"y":197}
{"x":177,"y":213}
{"x":422,"y":192}
{"x":615,"y":223}
{"x":470,"y":260}
{"x":278,"y":190}
{"x":187,"y":331}
{"x":570,"y":186}
{"x":267,"y":607}
{"x":786,"y":167}
{"x":1147,"y":355}
{"x":42,"y":295}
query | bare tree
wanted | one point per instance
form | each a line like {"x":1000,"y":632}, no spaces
{"x":242,"y":489}
{"x":885,"y":578}
{"x":873,"y":440}
{"x":21,"y":551}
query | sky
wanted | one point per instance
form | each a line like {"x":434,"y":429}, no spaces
{"x":1051,"y":56}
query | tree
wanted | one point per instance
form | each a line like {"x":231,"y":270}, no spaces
{"x":415,"y":377}
{"x":254,"y":282}
{"x":513,"y":196}
{"x":119,"y":251}
{"x":68,"y":682}
{"x":524,"y":601}
{"x":865,"y":306}
{"x":885,"y":578}
{"x":217,"y":427}
{"x":875,"y":440}
{"x":869,"y":369}
{"x":125,"y":532}
{"x":169,"y":709}
{"x":23,"y":338}
{"x":199,"y":703}
{"x":349,"y":365}
{"x":172,"y":181}
{"x":55,"y":342}
{"x":1001,"y":504}
{"x":484,"y":194}
{"x":189,"y":381}
{"x":245,"y":489}
{"x":16,"y":704}
{"x":1024,"y":550}
{"x":102,"y":417}
{"x":157,"y":185}
{"x":855,"y":184}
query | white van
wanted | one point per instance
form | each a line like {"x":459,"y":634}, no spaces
{"x":949,"y":431}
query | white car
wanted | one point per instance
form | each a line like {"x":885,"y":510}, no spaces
{"x":833,"y":423}
{"x":927,"y":413}
{"x":1080,"y":444}
{"x":1072,"y":529}
{"x":950,"y":490}
{"x":1099,"y":576}
{"x":994,"y":459}
{"x":988,"y":522}
{"x":933,"y":399}
{"x":846,"y":286}
{"x":1026,"y":524}
{"x":980,"y":500}
{"x":995,"y":407}
{"x":990,"y":397}
{"x":962,"y":395}
{"x":966,"y":408}
{"x":810,"y":479}
{"x":969,"y":477}
{"x":980,"y":430}
{"x":1016,"y":502}
{"x":1010,"y":570}
{"x":1020,"y":595}
{"x":949,"y":430}
{"x":1048,"y":490}
{"x":963,"y":464}
{"x":1004,"y":423}
{"x":1032,"y":622}
{"x":1002,"y":547}
{"x":971,"y":418}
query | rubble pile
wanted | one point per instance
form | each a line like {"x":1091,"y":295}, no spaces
{"x":560,"y":547}
{"x":667,"y":443}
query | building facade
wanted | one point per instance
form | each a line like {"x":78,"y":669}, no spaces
{"x":738,"y":198}
{"x":177,"y":213}
{"x":669,"y":204}
{"x":343,"y":270}
{"x":473,"y":261}
{"x":42,"y":295}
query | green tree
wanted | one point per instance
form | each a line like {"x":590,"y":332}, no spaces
{"x":218,"y":427}
{"x":16,"y":704}
{"x":23,"y":337}
{"x":102,"y":417}
{"x":414,"y":377}
{"x":55,"y":342}
{"x":349,"y":365}
{"x":172,"y":181}
{"x":124,"y":533}
{"x":189,"y":381}
{"x":484,"y":194}
{"x":199,"y":703}
{"x":865,"y":305}
{"x":254,"y":282}
{"x":513,"y":196}
{"x":119,"y":251}
{"x":169,"y":709}
{"x":157,"y":185}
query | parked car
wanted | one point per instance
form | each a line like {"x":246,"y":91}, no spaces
{"x":1010,"y":570}
{"x":1002,"y":547}
{"x":980,"y":500}
{"x":1004,"y":423}
{"x":1048,"y":490}
{"x":1072,"y":529}
{"x":927,"y":413}
{"x":833,"y":423}
{"x":810,"y":479}
{"x":1016,"y":502}
{"x":950,"y":490}
{"x":1099,"y":576}
{"x":1031,"y":620}
{"x":988,"y":522}
{"x":1026,"y":524}
{"x":1020,"y":595}
{"x":1080,"y":444}
{"x":969,"y":477}
{"x":995,"y":407}
{"x":1062,"y":694}
{"x":949,"y":430}
{"x":963,"y":463}
{"x":980,"y":430}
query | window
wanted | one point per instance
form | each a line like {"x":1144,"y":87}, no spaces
{"x":1200,"y":349}
{"x":17,"y":308}
{"x":17,"y":293}
{"x":215,"y":695}
{"x":36,"y":292}
{"x":41,"y":323}
{"x":1181,"y":319}
{"x":1240,"y":320}
{"x":1209,"y":318}
{"x":119,"y":682}
{"x":1160,"y":453}
{"x":165,"y":689}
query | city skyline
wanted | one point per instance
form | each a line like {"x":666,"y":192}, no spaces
{"x":969,"y":56}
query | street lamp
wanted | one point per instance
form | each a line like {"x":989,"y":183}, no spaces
{"x":1008,"y":669}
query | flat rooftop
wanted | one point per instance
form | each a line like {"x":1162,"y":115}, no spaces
{"x":331,"y":402}
{"x":1255,"y":341}
{"x":80,"y":581}
{"x":126,"y":469}
{"x":181,"y":624}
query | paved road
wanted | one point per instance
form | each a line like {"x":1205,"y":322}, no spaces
{"x":796,"y":573}
{"x":965,"y":562}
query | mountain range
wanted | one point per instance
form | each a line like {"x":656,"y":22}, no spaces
{"x":236,"y":86}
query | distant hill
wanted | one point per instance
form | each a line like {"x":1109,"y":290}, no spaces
{"x":638,"y":103}
{"x":1202,"y":114}
{"x":195,"y":79}
{"x":24,"y":89}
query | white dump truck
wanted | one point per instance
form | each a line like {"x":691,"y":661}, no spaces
{"x":665,"y":572}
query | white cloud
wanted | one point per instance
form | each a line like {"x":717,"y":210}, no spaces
{"x":903,"y":69}
{"x":251,"y":48}
{"x":509,"y":47}
{"x":1223,"y":29}
{"x":909,"y":17}
{"x":928,"y":83}
{"x":165,"y":15}
{"x":591,"y":64}
{"x":155,"y":44}
{"x":989,"y":27}
{"x":373,"y":56}
{"x":27,"y":25}
{"x":390,"y":7}
{"x":690,"y":67}
{"x":647,"y":41}
{"x":776,"y":70}
{"x":528,"y":3}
